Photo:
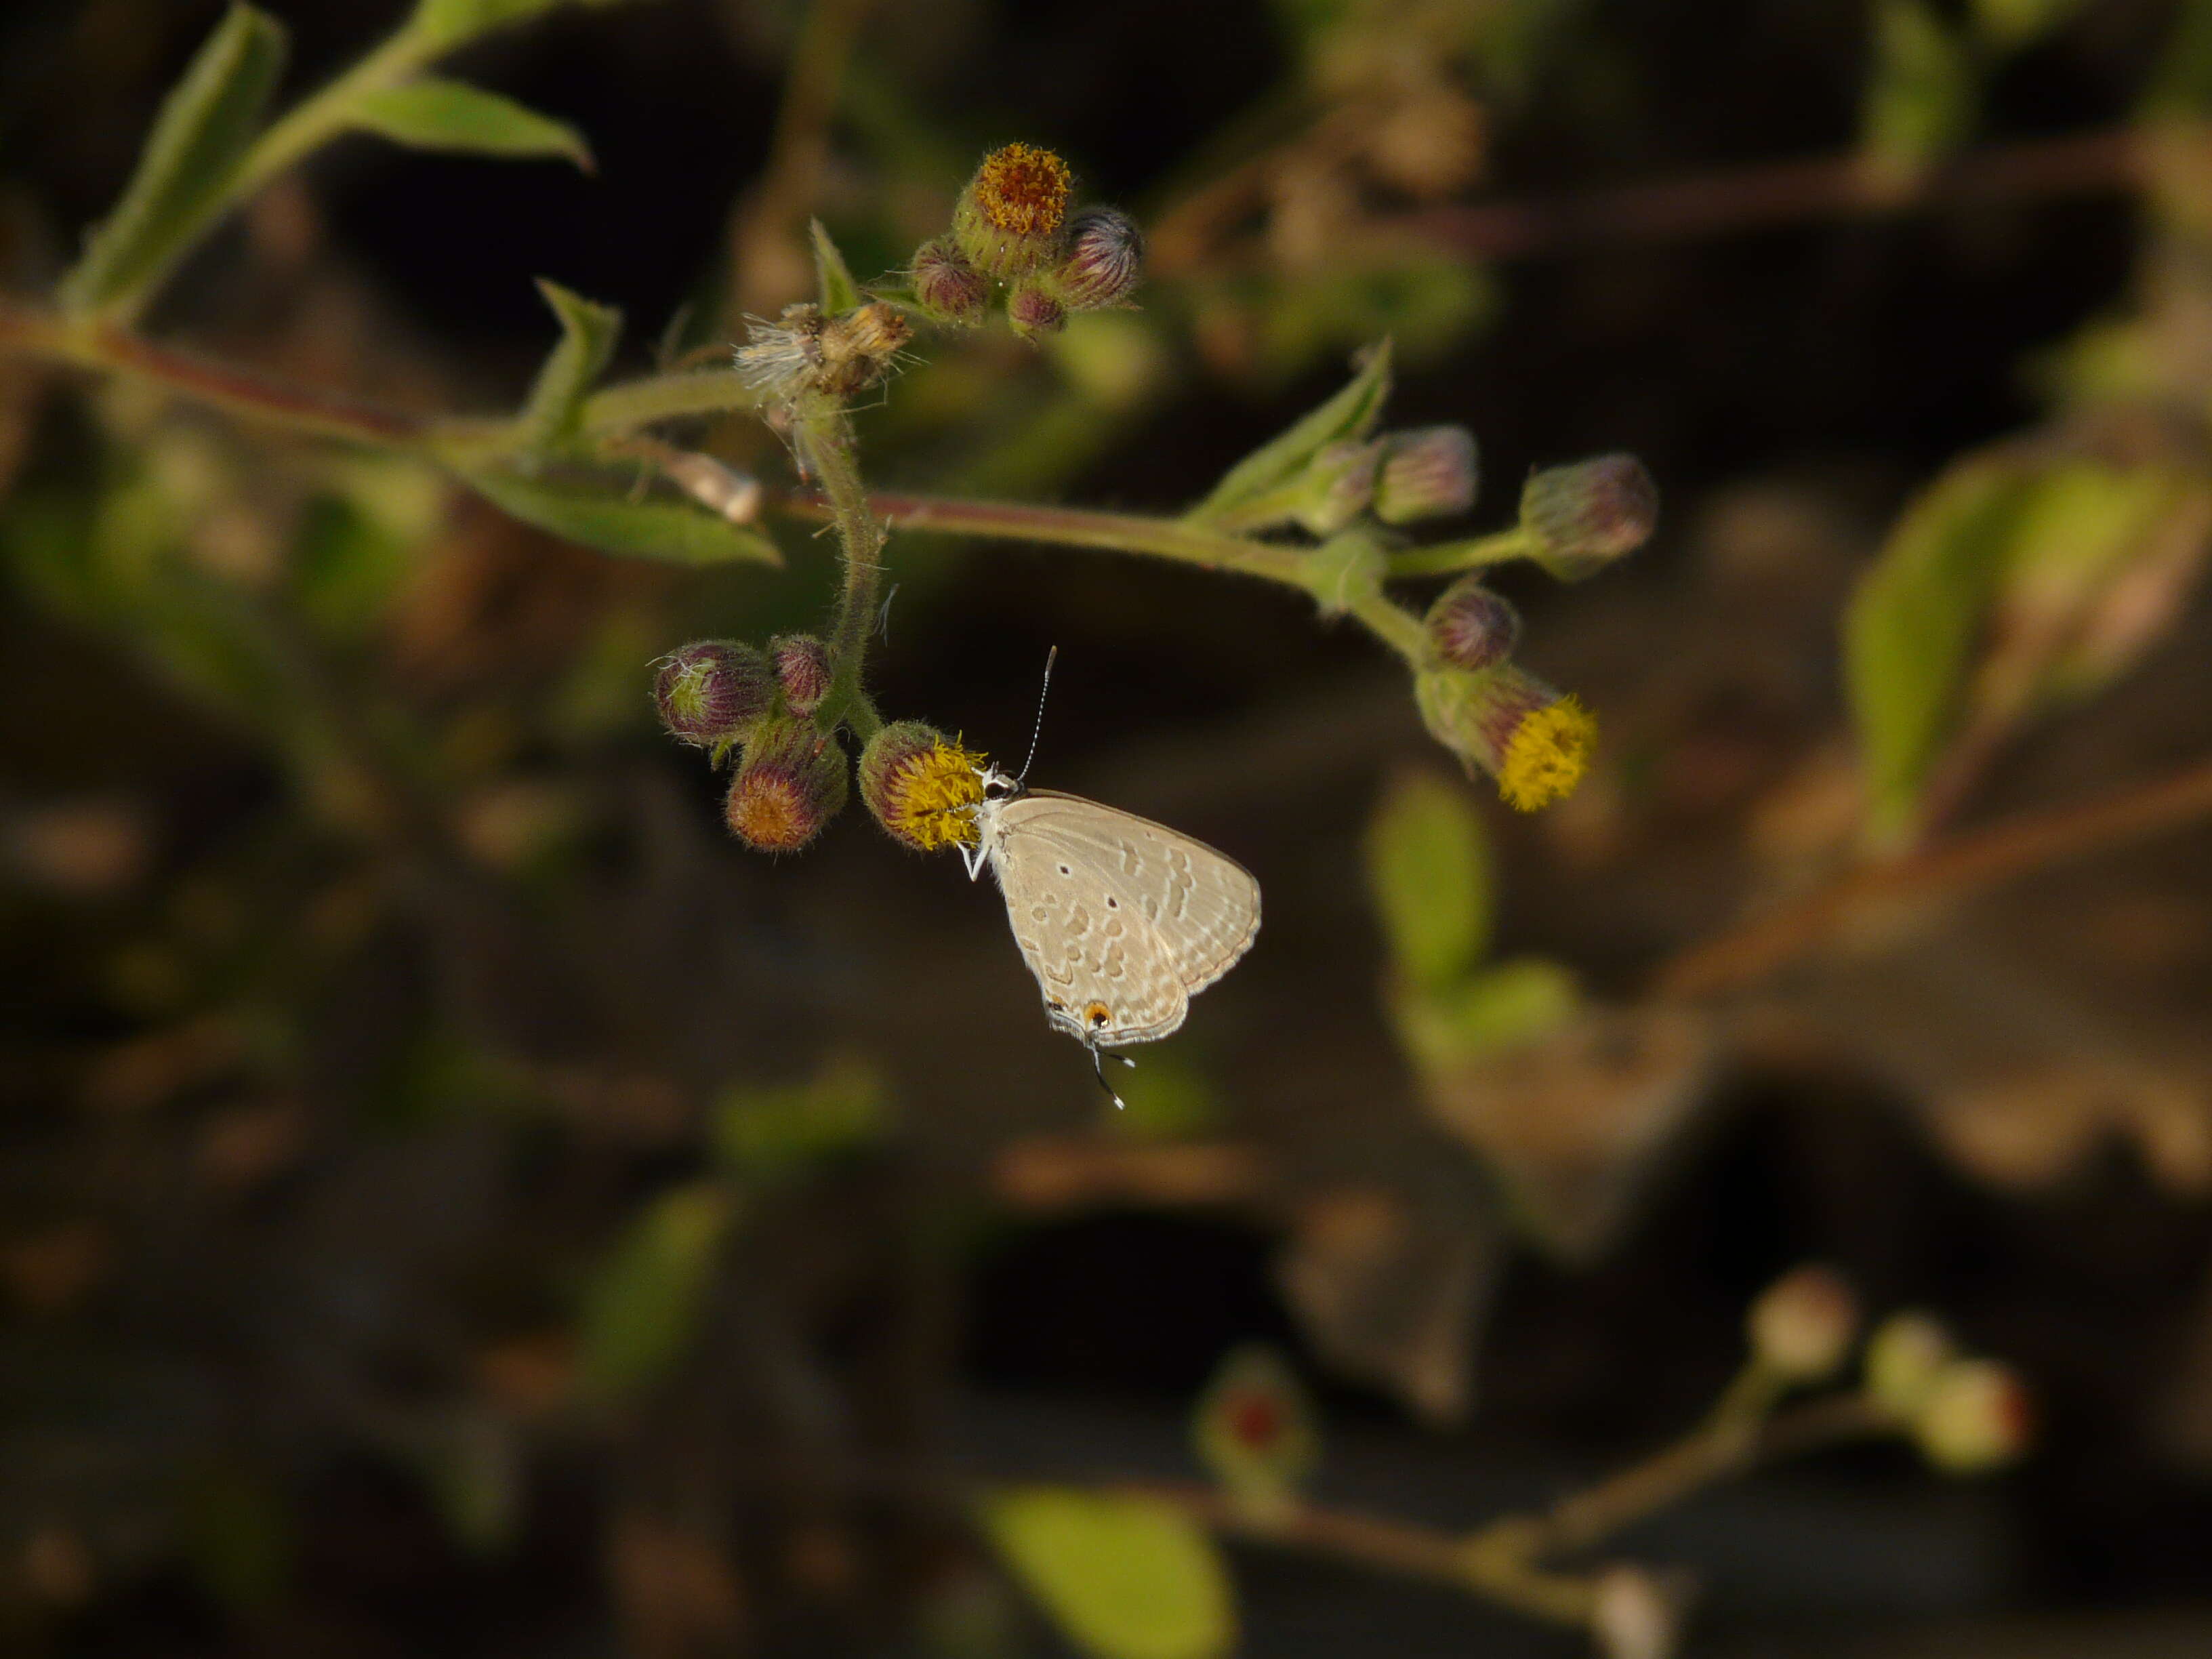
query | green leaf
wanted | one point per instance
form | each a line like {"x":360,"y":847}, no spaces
{"x":190,"y":161}
{"x":768,"y":1131}
{"x":2180,"y":85}
{"x":1124,"y":1577}
{"x":1919,"y":103}
{"x":1515,"y":1003}
{"x":2009,"y":25}
{"x":555,"y":411}
{"x":839,"y":291}
{"x":595,"y":509}
{"x":1911,"y":627}
{"x":1351,"y":414}
{"x":1428,"y":868}
{"x":436,"y":114}
{"x":441,"y":25}
{"x":641,"y":1307}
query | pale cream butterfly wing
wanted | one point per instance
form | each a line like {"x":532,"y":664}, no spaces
{"x":1122,"y":920}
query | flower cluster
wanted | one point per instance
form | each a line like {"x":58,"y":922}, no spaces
{"x":727,"y":696}
{"x":1011,"y":228}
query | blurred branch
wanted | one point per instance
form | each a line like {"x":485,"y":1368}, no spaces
{"x":1789,"y":192}
{"x":2015,"y":846}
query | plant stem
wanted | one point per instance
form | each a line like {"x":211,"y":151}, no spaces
{"x":624,"y":408}
{"x":1445,"y":557}
{"x":824,"y":440}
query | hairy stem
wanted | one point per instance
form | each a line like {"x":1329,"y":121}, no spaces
{"x":824,"y":439}
{"x":1446,"y":557}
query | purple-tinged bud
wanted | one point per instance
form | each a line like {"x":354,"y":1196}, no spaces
{"x":711,"y":690}
{"x":1428,"y":473}
{"x":1253,"y":1429}
{"x":947,"y":289}
{"x":921,"y":786}
{"x":1584,"y":516}
{"x":1505,"y":721}
{"x":1977,"y":1417}
{"x":1903,"y":1356}
{"x":802,"y":668}
{"x":1034,"y":313}
{"x":1802,"y":1326}
{"x":1105,"y":260}
{"x":1009,"y":220}
{"x":1337,"y":485}
{"x":791,"y":783}
{"x":1472,"y":628}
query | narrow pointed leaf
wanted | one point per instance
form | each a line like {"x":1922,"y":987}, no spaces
{"x":1351,"y":414}
{"x":642,"y":1306}
{"x":597,"y":511}
{"x":191,"y":158}
{"x":588,"y":333}
{"x":839,"y":291}
{"x":436,"y":114}
{"x":1124,"y":1577}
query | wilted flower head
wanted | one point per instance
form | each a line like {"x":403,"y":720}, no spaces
{"x":811,"y":352}
{"x":710,"y":690}
{"x":802,"y":668}
{"x":1584,"y":516}
{"x":946,"y":287}
{"x":921,"y":787}
{"x":1105,"y":260}
{"x":1505,"y":721}
{"x":1428,"y":473}
{"x":790,"y":784}
{"x":1470,"y":627}
{"x":1009,"y":219}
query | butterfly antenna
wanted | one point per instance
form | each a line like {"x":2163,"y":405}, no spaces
{"x":1036,"y":731}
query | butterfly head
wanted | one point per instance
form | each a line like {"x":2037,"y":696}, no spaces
{"x":999,"y":785}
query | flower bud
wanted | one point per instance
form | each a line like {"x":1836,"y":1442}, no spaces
{"x":1008,"y":221}
{"x":1977,"y":1417}
{"x":1584,"y":516}
{"x":921,"y":787}
{"x":1505,"y":721}
{"x":791,"y":783}
{"x":802,"y":668}
{"x":1800,"y":1328}
{"x":1429,"y":473}
{"x":711,"y":690}
{"x":1472,"y":628}
{"x":1034,"y":313}
{"x":1338,"y":484}
{"x":1254,"y":1430}
{"x":947,"y":287}
{"x":1903,"y":1356}
{"x":1105,"y":260}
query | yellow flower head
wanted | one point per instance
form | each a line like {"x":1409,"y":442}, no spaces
{"x":1546,"y":756}
{"x":1023,"y":189}
{"x":921,"y":787}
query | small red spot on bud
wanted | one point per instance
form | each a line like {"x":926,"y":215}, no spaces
{"x":1254,"y":1420}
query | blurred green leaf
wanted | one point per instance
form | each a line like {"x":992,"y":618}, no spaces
{"x":191,"y":157}
{"x":473,"y":1470}
{"x":1921,"y":90}
{"x":1166,"y":1098}
{"x":436,"y":114}
{"x":553,"y":412}
{"x":1428,"y":868}
{"x":642,"y":1306}
{"x":1424,"y":300}
{"x":2181,"y":84}
{"x":763,"y":1131}
{"x":2009,"y":25}
{"x":595,"y":509}
{"x":346,"y":568}
{"x":1910,"y":628}
{"x":238,"y":1536}
{"x":441,"y":25}
{"x":839,"y":291}
{"x":1124,"y":1577}
{"x":1515,"y":1003}
{"x":1352,"y":413}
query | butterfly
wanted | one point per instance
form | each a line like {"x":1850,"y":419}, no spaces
{"x":1122,"y":920}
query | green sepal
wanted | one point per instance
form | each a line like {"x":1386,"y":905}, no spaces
{"x":553,"y":414}
{"x":1351,"y":414}
{"x":840,"y":293}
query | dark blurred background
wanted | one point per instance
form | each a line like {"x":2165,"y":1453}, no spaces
{"x":458,"y":1201}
